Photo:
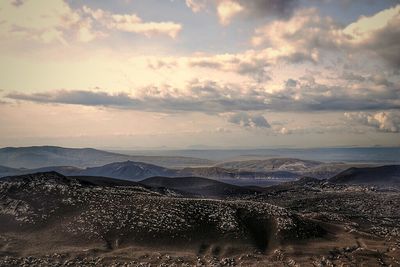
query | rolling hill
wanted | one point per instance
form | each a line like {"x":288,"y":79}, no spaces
{"x":383,"y":175}
{"x":128,"y":170}
{"x":48,"y":212}
{"x":47,"y":219}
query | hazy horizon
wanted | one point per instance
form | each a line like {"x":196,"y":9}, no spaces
{"x":373,"y":155}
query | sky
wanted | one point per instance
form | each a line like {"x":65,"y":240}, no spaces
{"x":200,"y":73}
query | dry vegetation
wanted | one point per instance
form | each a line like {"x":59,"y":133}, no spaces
{"x":49,"y":219}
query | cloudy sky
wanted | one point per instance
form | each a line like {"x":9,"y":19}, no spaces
{"x":182,"y":73}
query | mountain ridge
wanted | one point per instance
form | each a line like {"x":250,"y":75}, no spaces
{"x":43,"y":156}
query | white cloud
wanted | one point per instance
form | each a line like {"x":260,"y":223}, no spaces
{"x":222,"y":130}
{"x":385,"y":121}
{"x":307,"y":36}
{"x":378,"y":35}
{"x":44,"y":21}
{"x":301,"y":37}
{"x":285,"y":131}
{"x":133,"y":23}
{"x":196,"y":5}
{"x":227,"y":9}
{"x":54,"y":21}
{"x":364,"y":27}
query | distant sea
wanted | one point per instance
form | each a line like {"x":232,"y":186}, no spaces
{"x":380,"y":155}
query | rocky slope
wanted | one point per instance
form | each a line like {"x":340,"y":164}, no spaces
{"x":77,"y":213}
{"x":47,"y":219}
{"x":200,"y":186}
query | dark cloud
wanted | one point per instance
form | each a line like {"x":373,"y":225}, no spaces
{"x":252,"y":8}
{"x":79,"y":97}
{"x":250,"y":66}
{"x":351,"y":76}
{"x":348,"y":3}
{"x":17,"y":3}
{"x":211,"y":97}
{"x":159,"y":64}
{"x":291,"y":83}
{"x":308,"y":95}
{"x":386,"y":43}
{"x":256,"y":70}
{"x":204,"y":63}
{"x":249,"y":120}
{"x":203,"y":97}
{"x":264,"y":8}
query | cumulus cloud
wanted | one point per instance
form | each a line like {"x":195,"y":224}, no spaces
{"x":214,"y":97}
{"x":307,"y":94}
{"x":226,"y":10}
{"x":248,"y":120}
{"x":253,"y":64}
{"x":250,"y":63}
{"x":385,"y":121}
{"x":56,"y":22}
{"x":133,"y":23}
{"x":301,"y":36}
{"x":45,"y":22}
{"x":379,"y":34}
{"x":307,"y":35}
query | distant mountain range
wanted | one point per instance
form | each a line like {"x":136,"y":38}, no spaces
{"x":316,"y":169}
{"x":261,"y":172}
{"x":128,"y":170}
{"x":272,"y":164}
{"x":224,"y":173}
{"x":44,"y":156}
{"x":135,"y":171}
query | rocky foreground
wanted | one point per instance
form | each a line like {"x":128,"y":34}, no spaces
{"x":49,"y":219}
